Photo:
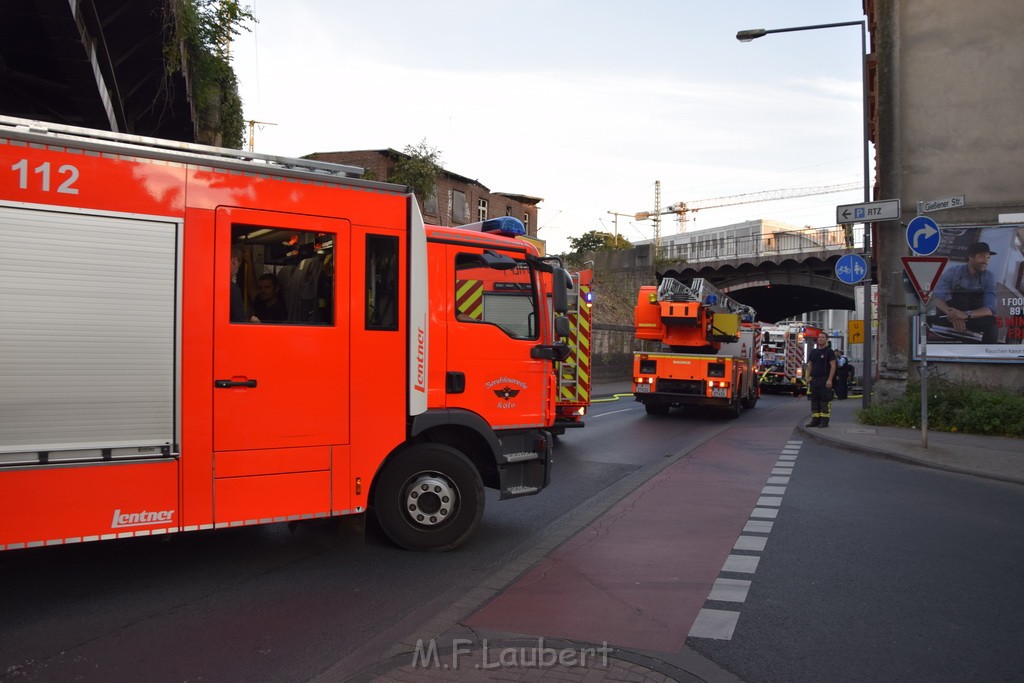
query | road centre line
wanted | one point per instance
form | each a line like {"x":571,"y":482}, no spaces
{"x":626,"y":410}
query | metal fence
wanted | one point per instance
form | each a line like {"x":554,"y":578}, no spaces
{"x":714,"y":247}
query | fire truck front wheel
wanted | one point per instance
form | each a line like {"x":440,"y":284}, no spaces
{"x":429,"y":497}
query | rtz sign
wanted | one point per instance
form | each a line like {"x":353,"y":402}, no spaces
{"x":868,"y":212}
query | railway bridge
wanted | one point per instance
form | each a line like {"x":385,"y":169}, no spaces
{"x":780,"y":271}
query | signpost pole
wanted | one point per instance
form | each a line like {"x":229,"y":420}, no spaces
{"x":868,"y":377}
{"x":866,"y":398}
{"x":922,"y":331}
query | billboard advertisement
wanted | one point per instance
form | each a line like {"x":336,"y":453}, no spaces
{"x":979,"y":298}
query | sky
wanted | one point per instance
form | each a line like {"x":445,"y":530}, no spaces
{"x":585,"y":103}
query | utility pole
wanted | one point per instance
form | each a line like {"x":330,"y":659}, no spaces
{"x":657,"y":222}
{"x":627,"y":215}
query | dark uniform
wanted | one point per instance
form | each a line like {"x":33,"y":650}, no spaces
{"x":820,"y":362}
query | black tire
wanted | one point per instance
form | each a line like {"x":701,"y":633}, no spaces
{"x":733,"y":411}
{"x":750,"y":400}
{"x":429,"y":497}
{"x":656,"y":408}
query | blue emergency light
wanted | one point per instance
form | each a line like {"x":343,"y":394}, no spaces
{"x":502,"y":225}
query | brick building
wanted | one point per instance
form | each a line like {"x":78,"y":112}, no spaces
{"x":457,"y":200}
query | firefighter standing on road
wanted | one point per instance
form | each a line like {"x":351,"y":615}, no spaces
{"x":821,"y":368}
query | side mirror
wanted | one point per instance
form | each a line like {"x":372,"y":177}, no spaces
{"x":561,"y":284}
{"x":561,"y":327}
{"x":556,"y":352}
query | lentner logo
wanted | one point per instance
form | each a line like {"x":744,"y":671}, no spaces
{"x":143,"y":518}
{"x":421,"y":360}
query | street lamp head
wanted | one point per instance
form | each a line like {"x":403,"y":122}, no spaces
{"x":750,"y":34}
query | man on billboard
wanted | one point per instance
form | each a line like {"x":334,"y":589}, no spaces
{"x":966,"y":298}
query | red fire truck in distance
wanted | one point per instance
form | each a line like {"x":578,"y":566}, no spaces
{"x":708,"y":346}
{"x":142,"y":393}
{"x":784,"y":349}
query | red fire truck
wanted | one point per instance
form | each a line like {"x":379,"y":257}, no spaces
{"x":784,"y":351}
{"x":708,"y":346}
{"x":142,"y":394}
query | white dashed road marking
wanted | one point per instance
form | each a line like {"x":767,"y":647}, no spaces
{"x":720,"y":624}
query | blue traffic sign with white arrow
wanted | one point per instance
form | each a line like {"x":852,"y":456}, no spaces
{"x":923,"y":235}
{"x":851,"y":268}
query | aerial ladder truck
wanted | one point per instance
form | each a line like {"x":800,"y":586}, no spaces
{"x":708,"y":341}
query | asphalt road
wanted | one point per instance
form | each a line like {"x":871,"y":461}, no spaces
{"x":873,"y":571}
{"x":881,"y":571}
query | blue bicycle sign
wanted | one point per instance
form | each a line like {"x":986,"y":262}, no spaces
{"x":851,"y":269}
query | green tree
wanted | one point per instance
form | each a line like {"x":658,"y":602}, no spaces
{"x":419,"y":168}
{"x":198,"y":36}
{"x":593,"y":241}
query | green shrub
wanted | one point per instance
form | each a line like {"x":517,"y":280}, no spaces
{"x":953,"y":407}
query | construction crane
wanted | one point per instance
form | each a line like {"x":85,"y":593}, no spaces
{"x":683,"y":209}
{"x":252,"y":131}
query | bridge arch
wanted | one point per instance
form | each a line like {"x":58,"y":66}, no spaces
{"x":777,"y":291}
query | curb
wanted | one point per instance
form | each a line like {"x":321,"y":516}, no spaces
{"x":904,"y":457}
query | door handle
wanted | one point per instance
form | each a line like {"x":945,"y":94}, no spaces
{"x":227,"y":383}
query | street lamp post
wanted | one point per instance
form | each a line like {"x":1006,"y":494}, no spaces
{"x":749,"y":35}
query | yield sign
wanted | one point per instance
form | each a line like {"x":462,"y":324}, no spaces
{"x":924,"y":272}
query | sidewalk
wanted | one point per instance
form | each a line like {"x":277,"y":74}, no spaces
{"x":450,"y":650}
{"x":991,"y":457}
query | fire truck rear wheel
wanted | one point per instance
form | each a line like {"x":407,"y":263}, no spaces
{"x":429,"y":497}
{"x":657,"y":408}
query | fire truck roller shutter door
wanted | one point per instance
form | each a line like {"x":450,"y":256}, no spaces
{"x":96,"y":298}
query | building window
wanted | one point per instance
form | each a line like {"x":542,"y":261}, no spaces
{"x":430,"y":203}
{"x":459,"y":206}
{"x":526,"y":222}
{"x":481,"y":209}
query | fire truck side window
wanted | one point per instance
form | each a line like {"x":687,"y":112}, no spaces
{"x":504,"y":298}
{"x":281,"y":276}
{"x":381,"y":282}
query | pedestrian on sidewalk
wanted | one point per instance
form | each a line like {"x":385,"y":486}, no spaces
{"x":821,"y":368}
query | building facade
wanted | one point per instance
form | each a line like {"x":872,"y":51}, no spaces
{"x":457,"y":200}
{"x":947,"y":123}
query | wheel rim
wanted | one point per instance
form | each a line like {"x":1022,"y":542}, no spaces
{"x":430,"y":499}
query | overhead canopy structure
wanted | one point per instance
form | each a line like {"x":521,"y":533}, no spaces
{"x":93,"y":63}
